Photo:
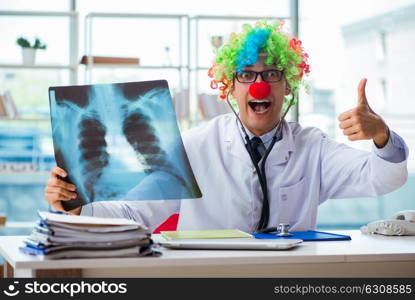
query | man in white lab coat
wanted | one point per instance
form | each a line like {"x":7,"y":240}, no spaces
{"x":259,"y":68}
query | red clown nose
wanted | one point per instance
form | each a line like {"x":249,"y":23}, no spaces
{"x":260,"y":90}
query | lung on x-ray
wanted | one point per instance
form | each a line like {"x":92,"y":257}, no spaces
{"x":120,"y":142}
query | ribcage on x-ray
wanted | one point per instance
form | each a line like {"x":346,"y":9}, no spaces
{"x":142,"y":137}
{"x":93,"y":157}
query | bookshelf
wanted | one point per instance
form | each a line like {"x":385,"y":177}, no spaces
{"x":181,"y":95}
{"x":71,"y":67}
{"x":183,"y":43}
{"x":73,"y":41}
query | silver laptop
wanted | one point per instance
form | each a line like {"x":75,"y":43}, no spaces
{"x":232,"y":244}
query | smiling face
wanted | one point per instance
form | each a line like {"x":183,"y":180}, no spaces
{"x":260,"y":115}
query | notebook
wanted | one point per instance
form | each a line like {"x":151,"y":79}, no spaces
{"x":205,"y":234}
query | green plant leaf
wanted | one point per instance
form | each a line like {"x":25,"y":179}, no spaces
{"x":23,"y":42}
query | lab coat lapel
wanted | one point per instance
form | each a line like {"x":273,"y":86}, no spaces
{"x":280,"y":153}
{"x":234,"y":142}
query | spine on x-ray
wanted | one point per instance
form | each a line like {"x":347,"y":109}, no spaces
{"x":93,"y":157}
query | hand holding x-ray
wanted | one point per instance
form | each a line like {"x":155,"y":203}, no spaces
{"x":58,"y":190}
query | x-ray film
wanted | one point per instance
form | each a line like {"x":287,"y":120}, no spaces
{"x":120,"y":142}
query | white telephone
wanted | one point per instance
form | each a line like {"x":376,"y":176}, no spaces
{"x":402,"y":223}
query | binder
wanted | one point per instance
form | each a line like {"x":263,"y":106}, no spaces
{"x":306,"y":236}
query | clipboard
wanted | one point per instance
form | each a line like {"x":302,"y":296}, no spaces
{"x":306,"y":236}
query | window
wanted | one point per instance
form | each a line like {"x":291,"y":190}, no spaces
{"x":346,"y":44}
{"x":381,"y":47}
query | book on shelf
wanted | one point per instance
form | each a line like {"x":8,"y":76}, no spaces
{"x":3,"y":111}
{"x":110,"y":60}
{"x":8,"y":107}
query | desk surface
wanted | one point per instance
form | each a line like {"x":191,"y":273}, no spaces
{"x":362,"y":248}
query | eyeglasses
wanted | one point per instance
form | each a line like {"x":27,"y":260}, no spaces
{"x":251,"y":76}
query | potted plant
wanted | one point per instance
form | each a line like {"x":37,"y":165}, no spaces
{"x":28,"y":50}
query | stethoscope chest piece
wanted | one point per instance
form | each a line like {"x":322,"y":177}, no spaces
{"x":283,"y":230}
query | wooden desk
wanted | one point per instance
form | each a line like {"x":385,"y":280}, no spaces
{"x":363,"y":256}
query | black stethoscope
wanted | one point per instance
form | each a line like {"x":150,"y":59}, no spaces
{"x":260,"y":169}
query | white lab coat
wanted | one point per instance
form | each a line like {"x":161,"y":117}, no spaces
{"x":303,"y":170}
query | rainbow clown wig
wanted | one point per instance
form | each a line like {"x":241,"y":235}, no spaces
{"x":281,"y":50}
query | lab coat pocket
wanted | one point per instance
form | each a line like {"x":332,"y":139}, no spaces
{"x":291,"y":201}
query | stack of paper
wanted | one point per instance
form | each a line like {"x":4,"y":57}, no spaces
{"x":67,"y":236}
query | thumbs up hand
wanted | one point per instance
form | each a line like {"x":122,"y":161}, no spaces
{"x":362,"y":123}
